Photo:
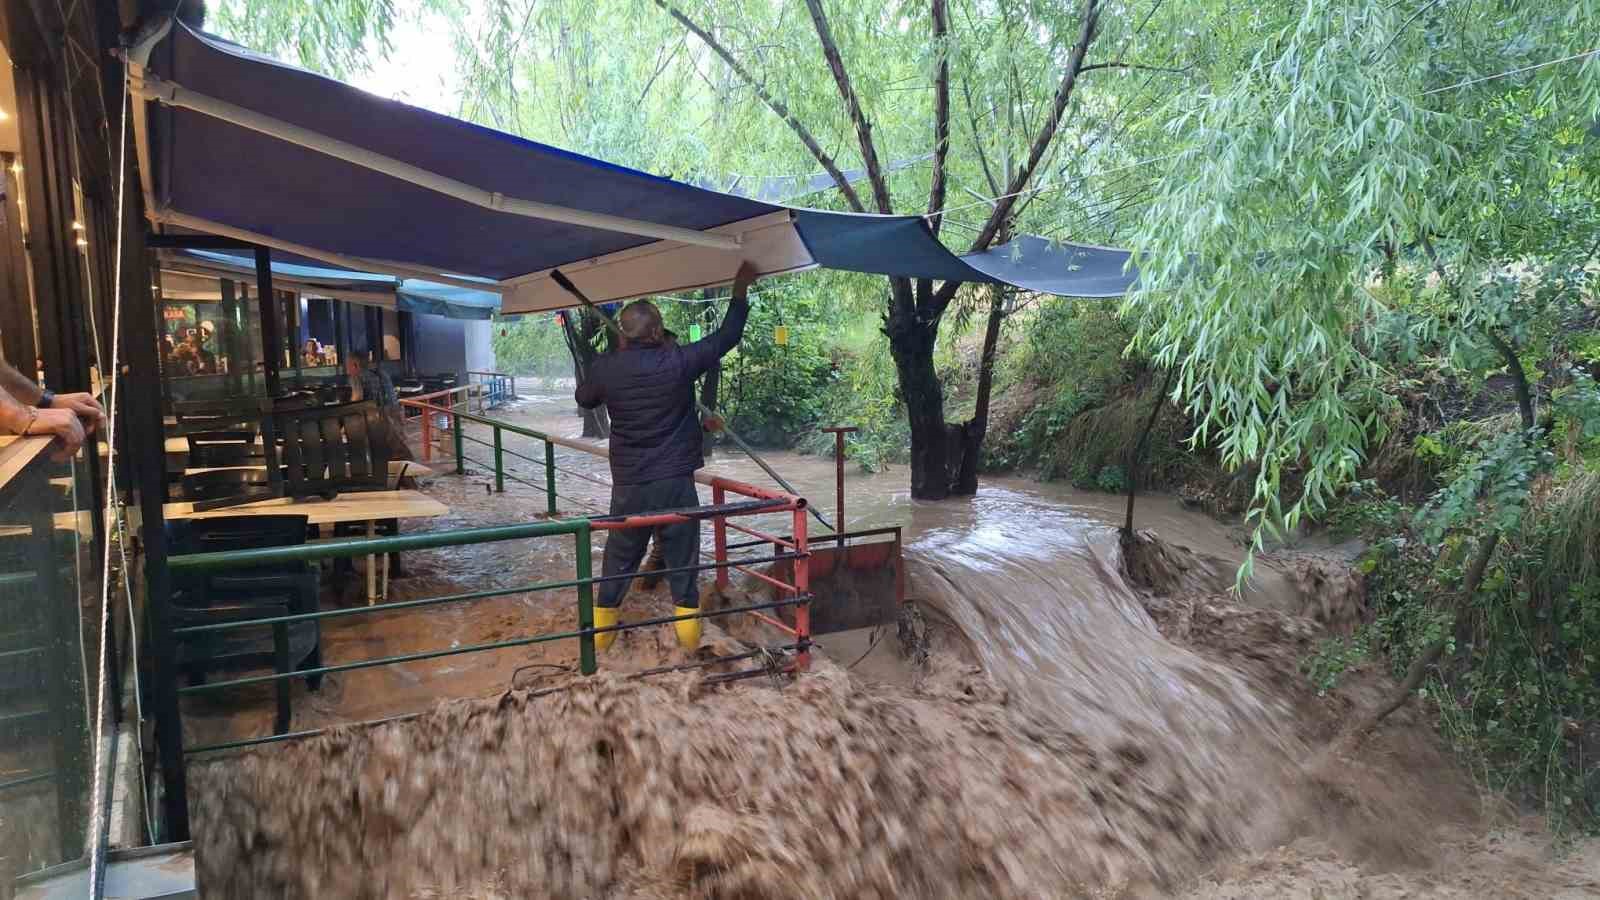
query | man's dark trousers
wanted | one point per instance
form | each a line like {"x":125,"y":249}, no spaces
{"x":680,"y":541}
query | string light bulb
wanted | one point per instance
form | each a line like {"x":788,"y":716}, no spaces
{"x":76,"y":225}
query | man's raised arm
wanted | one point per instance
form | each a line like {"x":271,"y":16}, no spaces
{"x":590,"y":394}
{"x":703,"y":354}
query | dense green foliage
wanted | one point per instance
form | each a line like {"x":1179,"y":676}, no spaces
{"x":1521,"y":694}
{"x":531,"y":345}
{"x":1350,"y":137}
{"x":1518,"y":688}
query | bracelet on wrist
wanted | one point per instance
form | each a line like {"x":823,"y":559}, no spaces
{"x":33,"y":415}
{"x":46,"y":398}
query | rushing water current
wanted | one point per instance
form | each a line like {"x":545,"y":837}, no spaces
{"x":1030,"y":575}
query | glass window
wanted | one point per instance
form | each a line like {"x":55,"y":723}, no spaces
{"x":48,"y":580}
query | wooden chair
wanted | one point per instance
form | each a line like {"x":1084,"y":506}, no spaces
{"x":247,"y":593}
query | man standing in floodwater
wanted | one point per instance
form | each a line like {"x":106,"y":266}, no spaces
{"x":648,"y":389}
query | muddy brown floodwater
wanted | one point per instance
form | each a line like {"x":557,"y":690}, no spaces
{"x":1071,"y":734}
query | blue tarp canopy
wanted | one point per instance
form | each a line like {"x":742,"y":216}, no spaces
{"x":236,"y":144}
{"x":406,"y":294}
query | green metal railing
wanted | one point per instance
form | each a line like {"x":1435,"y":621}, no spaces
{"x":498,"y":446}
{"x":581,"y":530}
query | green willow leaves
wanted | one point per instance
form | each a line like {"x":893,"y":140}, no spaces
{"x":1339,"y":147}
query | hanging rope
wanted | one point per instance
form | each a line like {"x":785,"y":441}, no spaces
{"x":1518,"y":71}
{"x":113,"y":515}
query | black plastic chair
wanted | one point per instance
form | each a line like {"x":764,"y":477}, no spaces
{"x":209,"y":449}
{"x":246,"y":593}
{"x":203,"y":411}
{"x":330,"y":449}
{"x":222,"y":483}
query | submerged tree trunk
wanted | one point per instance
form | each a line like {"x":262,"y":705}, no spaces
{"x":911,"y":343}
{"x":975,"y":429}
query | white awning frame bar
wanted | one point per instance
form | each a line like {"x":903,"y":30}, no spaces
{"x":745,"y":227}
{"x":149,"y":87}
{"x":354,"y":263}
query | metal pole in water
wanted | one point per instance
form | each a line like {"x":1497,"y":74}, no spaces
{"x":838,"y":432}
{"x":499,"y":464}
{"x":455,"y":431}
{"x":550,"y":477}
{"x":586,"y":660}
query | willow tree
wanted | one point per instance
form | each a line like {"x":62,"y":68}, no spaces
{"x":1369,"y":138}
{"x":334,"y":37}
{"x":887,"y":83}
{"x":1363,"y":130}
{"x":978,"y":94}
{"x":1008,"y":107}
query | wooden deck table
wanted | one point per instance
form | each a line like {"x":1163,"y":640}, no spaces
{"x":357,"y":506}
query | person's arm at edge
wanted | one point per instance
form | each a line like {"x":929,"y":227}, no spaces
{"x":704,"y":354}
{"x":24,"y":419}
{"x":22,"y":394}
{"x":591,"y":393}
{"x":19,"y":387}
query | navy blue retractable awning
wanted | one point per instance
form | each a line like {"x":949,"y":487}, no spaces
{"x":236,"y":144}
{"x":1064,"y":269}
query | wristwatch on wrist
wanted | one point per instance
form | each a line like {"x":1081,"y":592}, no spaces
{"x":46,"y":398}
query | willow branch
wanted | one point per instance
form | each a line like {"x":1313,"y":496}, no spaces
{"x":941,"y":113}
{"x":977,"y":142}
{"x":1127,"y":65}
{"x":1001,"y":211}
{"x":852,"y":102}
{"x":773,"y":103}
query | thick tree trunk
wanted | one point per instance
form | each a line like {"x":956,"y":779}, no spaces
{"x":911,"y":344}
{"x":976,"y":428}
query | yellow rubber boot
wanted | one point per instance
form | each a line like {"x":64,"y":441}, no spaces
{"x":688,"y":629}
{"x":605,"y":617}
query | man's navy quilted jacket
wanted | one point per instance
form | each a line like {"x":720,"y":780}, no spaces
{"x":649,"y":392}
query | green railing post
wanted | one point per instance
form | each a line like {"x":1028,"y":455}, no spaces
{"x":586,"y":663}
{"x":461,"y":461}
{"x":499,"y":464}
{"x":550,"y":476}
